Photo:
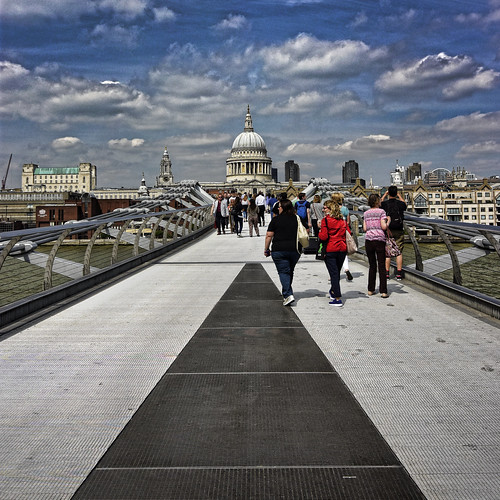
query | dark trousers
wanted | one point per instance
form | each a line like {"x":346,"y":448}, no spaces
{"x":375,"y":251}
{"x":334,"y":261}
{"x":219,"y":222}
{"x":238,"y":224}
{"x":314,"y":223}
{"x":262,"y":209}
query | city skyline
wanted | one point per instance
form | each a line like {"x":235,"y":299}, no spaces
{"x":113,"y":83}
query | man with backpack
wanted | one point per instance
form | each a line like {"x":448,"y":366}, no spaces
{"x":303,"y":209}
{"x":395,"y":207}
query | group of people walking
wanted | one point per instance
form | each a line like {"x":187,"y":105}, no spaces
{"x":330,"y":226}
{"x":231,"y":210}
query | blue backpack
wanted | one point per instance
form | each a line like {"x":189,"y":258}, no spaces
{"x":301,"y":209}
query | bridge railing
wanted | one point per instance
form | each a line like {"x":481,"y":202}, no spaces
{"x":462,"y":244}
{"x":44,"y":265}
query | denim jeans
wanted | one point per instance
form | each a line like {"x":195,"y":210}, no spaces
{"x":334,"y":261}
{"x":285,"y":264}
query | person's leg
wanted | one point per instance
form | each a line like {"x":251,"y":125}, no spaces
{"x":372,"y":261}
{"x":293,"y":258}
{"x":218,"y":220}
{"x":282,"y":263}
{"x":380,"y":252}
{"x":345,"y":268}
{"x":331,"y":263}
{"x":315,"y":227}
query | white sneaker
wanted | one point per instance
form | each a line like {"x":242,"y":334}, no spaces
{"x":288,"y":300}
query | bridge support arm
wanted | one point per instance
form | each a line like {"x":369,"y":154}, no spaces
{"x":457,"y":274}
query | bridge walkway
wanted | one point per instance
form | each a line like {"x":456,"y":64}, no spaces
{"x":189,"y":379}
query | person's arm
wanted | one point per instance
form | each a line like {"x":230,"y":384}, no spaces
{"x":400,"y":197}
{"x":384,"y":223}
{"x":267,"y":243}
{"x":309,"y":223}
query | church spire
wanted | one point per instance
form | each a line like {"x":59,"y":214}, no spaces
{"x":248,"y":121}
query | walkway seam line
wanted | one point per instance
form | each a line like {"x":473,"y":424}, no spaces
{"x":257,"y":467}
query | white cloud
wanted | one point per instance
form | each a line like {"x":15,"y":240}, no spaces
{"x":232,"y":22}
{"x":360,"y":19}
{"x":66,"y":142}
{"x":117,"y":34}
{"x":313,"y":101}
{"x":125,"y":143}
{"x":476,"y":124}
{"x":307,"y":57}
{"x":479,"y":149}
{"x":70,"y":9}
{"x":164,"y":14}
{"x":453,"y":77}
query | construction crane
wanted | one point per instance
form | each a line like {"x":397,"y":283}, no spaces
{"x":4,"y":180}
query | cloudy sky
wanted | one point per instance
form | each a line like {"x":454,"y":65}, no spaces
{"x":112,"y":82}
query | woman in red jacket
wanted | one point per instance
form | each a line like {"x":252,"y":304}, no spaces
{"x":333,"y":228}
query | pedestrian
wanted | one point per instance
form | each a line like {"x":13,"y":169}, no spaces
{"x":220,"y":210}
{"x":332,"y":232}
{"x":338,"y":197}
{"x":237,"y":213}
{"x":316,"y":213}
{"x":271,"y":201}
{"x":375,"y":222}
{"x":303,"y":208}
{"x":282,"y":233}
{"x":261,"y":203}
{"x":275,"y":210}
{"x":244,"y":203}
{"x":227,"y":224}
{"x":253,"y":218}
{"x":395,"y":208}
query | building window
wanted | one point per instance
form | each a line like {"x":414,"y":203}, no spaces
{"x":466,"y":209}
{"x":440,"y":210}
{"x":474,"y":217}
{"x":473,"y":209}
{"x":479,"y":195}
{"x":433,"y":210}
{"x":483,"y":217}
{"x":466,"y":217}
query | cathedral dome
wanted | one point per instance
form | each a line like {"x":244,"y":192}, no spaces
{"x":249,"y":161}
{"x":248,"y":139}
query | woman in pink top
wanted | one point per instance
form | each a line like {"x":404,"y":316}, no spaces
{"x":375,"y":222}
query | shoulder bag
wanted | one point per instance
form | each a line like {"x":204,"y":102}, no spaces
{"x":302,"y":234}
{"x":350,"y":243}
{"x":391,"y":247}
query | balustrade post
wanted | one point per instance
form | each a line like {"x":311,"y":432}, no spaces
{"x":114,"y":253}
{"x":165,"y":232}
{"x":135,"y":252}
{"x":419,"y":265}
{"x":88,"y":250}
{"x":492,"y":240}
{"x":457,"y":274}
{"x":7,"y":249}
{"x":153,"y":231}
{"x":47,"y":277}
